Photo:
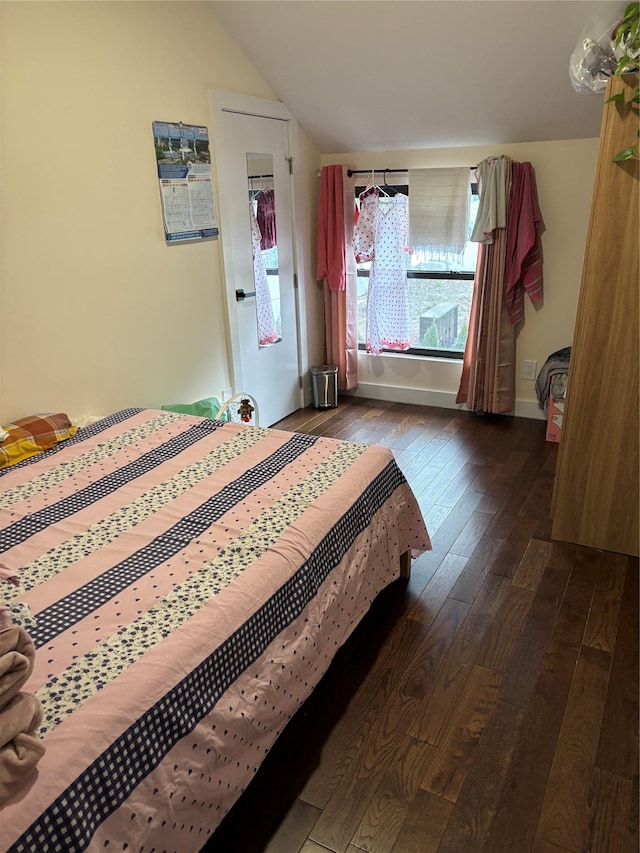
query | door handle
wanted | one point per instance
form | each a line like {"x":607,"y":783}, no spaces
{"x":240,"y":294}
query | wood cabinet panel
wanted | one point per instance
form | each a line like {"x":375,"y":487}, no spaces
{"x":596,"y":493}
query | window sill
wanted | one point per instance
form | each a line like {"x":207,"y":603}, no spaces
{"x":412,"y":357}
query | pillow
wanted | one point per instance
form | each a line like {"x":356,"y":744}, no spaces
{"x":34,"y":434}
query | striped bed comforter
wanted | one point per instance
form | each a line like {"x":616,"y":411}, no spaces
{"x":186,"y":584}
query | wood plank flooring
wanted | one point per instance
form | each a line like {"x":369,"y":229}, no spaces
{"x":490,"y":703}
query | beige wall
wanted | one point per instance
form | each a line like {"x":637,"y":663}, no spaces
{"x":564,"y":174}
{"x":97,"y":312}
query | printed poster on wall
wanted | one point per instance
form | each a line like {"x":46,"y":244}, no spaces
{"x":184,"y":174}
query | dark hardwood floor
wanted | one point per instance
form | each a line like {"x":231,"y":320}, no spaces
{"x":490,"y":703}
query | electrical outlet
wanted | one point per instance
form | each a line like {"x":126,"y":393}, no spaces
{"x":227,"y":393}
{"x":529,"y":369}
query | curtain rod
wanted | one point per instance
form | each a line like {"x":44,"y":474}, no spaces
{"x":351,"y":172}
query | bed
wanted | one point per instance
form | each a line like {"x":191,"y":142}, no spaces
{"x":186,"y":584}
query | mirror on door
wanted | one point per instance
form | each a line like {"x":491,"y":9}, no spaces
{"x":264,"y":247}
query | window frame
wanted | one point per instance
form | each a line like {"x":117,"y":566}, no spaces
{"x":437,"y":275}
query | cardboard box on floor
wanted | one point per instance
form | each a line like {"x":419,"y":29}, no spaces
{"x":555,"y":416}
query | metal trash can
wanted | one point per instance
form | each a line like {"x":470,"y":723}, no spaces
{"x":324,"y":386}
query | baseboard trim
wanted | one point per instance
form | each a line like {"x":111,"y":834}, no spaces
{"x":426,"y":397}
{"x":529,"y":409}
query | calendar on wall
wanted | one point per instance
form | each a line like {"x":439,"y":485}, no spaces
{"x":184,"y":175}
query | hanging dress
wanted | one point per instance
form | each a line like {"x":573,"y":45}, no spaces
{"x":266,"y":218}
{"x":381,"y":236}
{"x":267,"y":330}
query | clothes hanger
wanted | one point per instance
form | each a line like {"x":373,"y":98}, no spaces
{"x":369,"y":187}
{"x":389,"y":190}
{"x":372,"y":188}
{"x":263,"y":189}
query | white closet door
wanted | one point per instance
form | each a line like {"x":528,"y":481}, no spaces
{"x":247,"y":144}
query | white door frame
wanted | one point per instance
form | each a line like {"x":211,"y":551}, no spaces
{"x":222,"y":101}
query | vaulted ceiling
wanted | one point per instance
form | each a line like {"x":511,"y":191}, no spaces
{"x":368,"y":75}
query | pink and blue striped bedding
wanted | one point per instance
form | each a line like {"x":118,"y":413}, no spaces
{"x":186,"y":583}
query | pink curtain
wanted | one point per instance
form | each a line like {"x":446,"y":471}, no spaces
{"x":523,"y":269}
{"x":488,"y":369}
{"x":337,"y":267}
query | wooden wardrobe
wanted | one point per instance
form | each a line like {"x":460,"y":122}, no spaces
{"x":595,"y":500}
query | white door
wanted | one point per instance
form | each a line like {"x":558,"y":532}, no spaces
{"x":252,"y":157}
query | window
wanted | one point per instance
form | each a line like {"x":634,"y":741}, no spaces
{"x":439,"y":296}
